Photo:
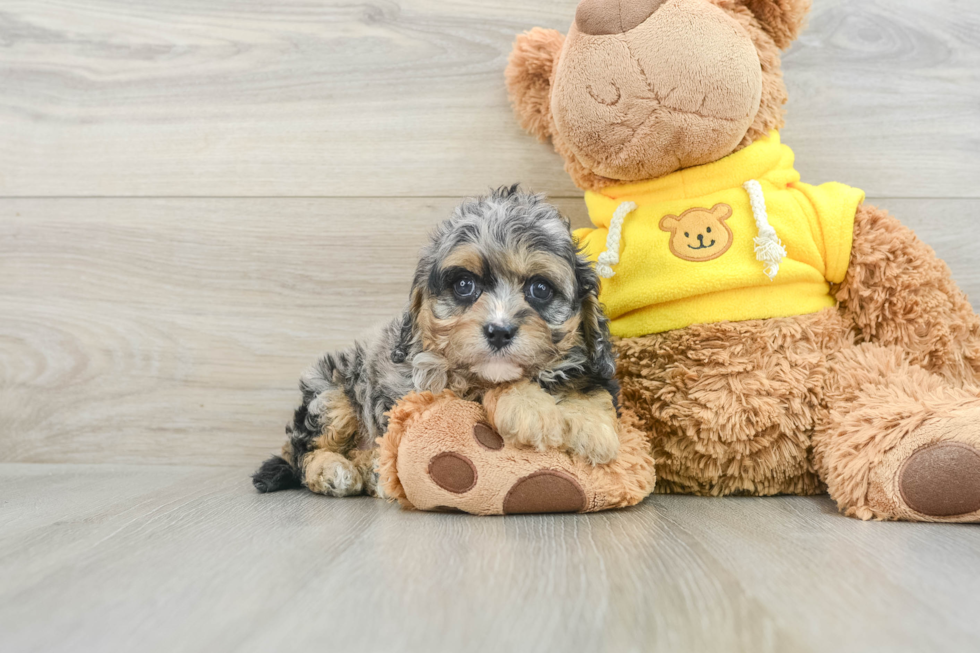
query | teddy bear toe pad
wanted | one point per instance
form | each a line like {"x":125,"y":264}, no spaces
{"x":942,"y":480}
{"x":486,"y":436}
{"x":452,"y":471}
{"x":547,"y":490}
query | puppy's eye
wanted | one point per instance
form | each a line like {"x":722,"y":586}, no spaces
{"x":540,"y":290}
{"x":687,"y":235}
{"x":709,"y":230}
{"x":464,"y":287}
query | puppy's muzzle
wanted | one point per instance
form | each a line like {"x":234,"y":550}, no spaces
{"x":499,"y":335}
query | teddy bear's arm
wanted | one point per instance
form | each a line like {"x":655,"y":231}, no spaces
{"x":898,"y":292}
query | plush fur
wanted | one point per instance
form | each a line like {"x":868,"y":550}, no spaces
{"x":502,"y":309}
{"x":842,"y":400}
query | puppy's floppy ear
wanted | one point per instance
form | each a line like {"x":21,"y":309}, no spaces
{"x":782,"y":19}
{"x":595,"y":326}
{"x":407,"y":336}
{"x":528,"y":75}
{"x":400,"y":352}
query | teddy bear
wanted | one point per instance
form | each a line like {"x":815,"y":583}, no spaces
{"x":774,"y":337}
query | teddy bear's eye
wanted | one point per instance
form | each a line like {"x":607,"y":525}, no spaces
{"x":709,"y":230}
{"x":687,"y":235}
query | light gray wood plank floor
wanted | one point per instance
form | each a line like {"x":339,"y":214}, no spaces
{"x":148,"y":558}
{"x":199,"y":196}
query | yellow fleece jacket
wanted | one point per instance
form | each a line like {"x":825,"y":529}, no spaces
{"x":687,"y":253}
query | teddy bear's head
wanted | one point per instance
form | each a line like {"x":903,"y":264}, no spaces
{"x":641,"y":88}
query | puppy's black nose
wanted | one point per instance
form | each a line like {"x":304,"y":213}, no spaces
{"x":701,"y":238}
{"x":499,"y":335}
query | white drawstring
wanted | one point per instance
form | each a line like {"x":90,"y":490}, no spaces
{"x":768,"y":248}
{"x":610,"y":257}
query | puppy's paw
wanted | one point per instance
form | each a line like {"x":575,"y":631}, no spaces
{"x":591,"y":427}
{"x":331,"y":474}
{"x":366,"y":461}
{"x":593,"y":437}
{"x":526,"y":415}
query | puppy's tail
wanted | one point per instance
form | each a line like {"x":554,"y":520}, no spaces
{"x":275,"y":474}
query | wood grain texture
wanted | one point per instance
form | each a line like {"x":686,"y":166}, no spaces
{"x":406,"y":97}
{"x":122,"y":558}
{"x":174,"y":331}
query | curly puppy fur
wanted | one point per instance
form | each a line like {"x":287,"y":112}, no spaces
{"x":501,"y":303}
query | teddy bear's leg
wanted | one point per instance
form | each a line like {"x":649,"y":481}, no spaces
{"x":730,"y":407}
{"x":897,"y":441}
{"x":440,"y":453}
{"x":898,"y":292}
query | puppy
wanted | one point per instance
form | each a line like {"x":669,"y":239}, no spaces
{"x":502,"y":310}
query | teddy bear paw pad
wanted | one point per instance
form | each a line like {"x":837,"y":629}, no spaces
{"x":487,"y":437}
{"x":547,"y":490}
{"x":942,"y":480}
{"x":452,"y":471}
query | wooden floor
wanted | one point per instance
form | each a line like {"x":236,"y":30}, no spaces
{"x":199,"y":196}
{"x":152,"y":558}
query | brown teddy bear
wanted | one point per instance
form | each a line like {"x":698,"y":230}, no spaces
{"x":774,"y":337}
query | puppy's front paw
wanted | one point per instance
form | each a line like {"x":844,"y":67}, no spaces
{"x":524,"y":414}
{"x":592,"y":428}
{"x":593,"y":437}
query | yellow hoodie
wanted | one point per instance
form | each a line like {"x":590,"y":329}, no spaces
{"x":737,"y":239}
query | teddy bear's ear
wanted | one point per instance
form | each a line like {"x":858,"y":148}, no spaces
{"x":782,"y":19}
{"x":721,"y":212}
{"x":528,"y":74}
{"x":669,"y":223}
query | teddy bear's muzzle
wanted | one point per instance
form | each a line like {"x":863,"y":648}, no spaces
{"x":676,"y":85}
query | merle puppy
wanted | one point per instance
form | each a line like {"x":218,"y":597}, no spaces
{"x":502,"y":310}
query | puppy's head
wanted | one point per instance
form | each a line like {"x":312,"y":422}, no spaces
{"x":501,"y":293}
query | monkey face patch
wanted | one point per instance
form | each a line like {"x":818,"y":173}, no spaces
{"x":699,"y":234}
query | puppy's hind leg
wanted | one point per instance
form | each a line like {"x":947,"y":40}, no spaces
{"x":330,"y":473}
{"x":366,"y":461}
{"x":324,"y":430}
{"x":326,"y":468}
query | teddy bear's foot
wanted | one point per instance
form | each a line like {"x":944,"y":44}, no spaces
{"x":942,"y":480}
{"x":932,"y":474}
{"x":441,"y":454}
